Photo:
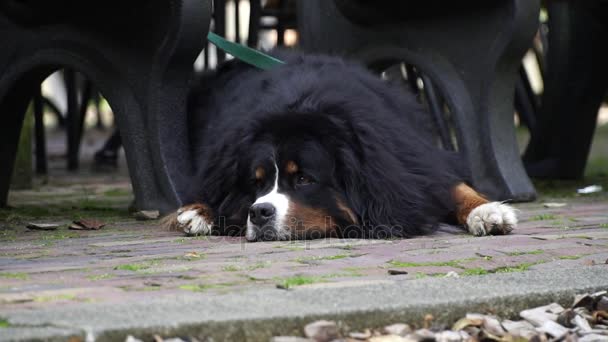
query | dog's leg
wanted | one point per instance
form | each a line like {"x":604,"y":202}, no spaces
{"x":480,"y":216}
{"x":193,"y":219}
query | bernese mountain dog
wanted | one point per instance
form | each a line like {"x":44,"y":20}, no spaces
{"x":321,"y":147}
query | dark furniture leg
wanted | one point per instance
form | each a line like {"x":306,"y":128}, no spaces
{"x":219,"y":18}
{"x":254,"y":23}
{"x":576,"y":81}
{"x":107,"y":156}
{"x":525,"y":100}
{"x":72,"y":120}
{"x":15,"y":102}
{"x":41,"y":162}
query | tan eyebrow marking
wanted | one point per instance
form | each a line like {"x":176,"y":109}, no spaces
{"x":260,"y":173}
{"x":291,"y":167}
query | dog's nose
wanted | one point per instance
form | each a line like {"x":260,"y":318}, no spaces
{"x":261,"y":213}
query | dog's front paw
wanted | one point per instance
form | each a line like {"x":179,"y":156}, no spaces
{"x":194,"y":220}
{"x":494,"y":218}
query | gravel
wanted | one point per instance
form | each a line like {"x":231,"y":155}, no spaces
{"x":585,"y":321}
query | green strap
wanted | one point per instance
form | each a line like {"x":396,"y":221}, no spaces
{"x":244,"y":53}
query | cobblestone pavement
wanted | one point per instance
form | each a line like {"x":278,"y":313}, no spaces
{"x":134,"y":260}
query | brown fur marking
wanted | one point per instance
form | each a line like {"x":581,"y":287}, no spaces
{"x":291,"y":167}
{"x":303,"y":220}
{"x":466,"y":200}
{"x":260,"y":173}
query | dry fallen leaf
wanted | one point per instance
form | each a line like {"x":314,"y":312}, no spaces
{"x":465,"y":322}
{"x":42,"y":226}
{"x":322,"y":331}
{"x":554,"y":205}
{"x":396,"y":272}
{"x":361,"y":335}
{"x":428,"y":319}
{"x":192,"y":255}
{"x":146,"y":215}
{"x":589,"y":262}
{"x":87,"y":224}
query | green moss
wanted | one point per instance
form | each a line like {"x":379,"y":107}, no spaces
{"x":8,"y":234}
{"x":543,"y":217}
{"x":45,"y":299}
{"x":307,"y":259}
{"x":517,"y":268}
{"x":59,"y":235}
{"x":4,"y":323}
{"x":569,"y":257}
{"x":299,"y":280}
{"x":131,"y":267}
{"x":203,"y":287}
{"x":474,"y":272}
{"x":73,"y":209}
{"x":345,"y":274}
{"x":258,"y":265}
{"x":354,"y":271}
{"x":17,"y":275}
{"x":100,"y":276}
{"x":451,"y":263}
{"x":534,"y":252}
{"x":231,"y":268}
{"x":236,"y":268}
{"x":347,"y":247}
{"x":117,"y":192}
{"x":604,"y":225}
{"x":420,"y":275}
{"x":143,"y":288}
{"x":293,"y":247}
{"x":135,"y":267}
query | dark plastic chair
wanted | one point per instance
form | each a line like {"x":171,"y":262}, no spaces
{"x":470,"y":50}
{"x":138,"y":53}
{"x":576,"y":81}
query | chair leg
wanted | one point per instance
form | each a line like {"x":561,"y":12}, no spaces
{"x":82,"y":109}
{"x":437,"y":113}
{"x":525,"y":101}
{"x":72,"y":120}
{"x":14,"y":104}
{"x":219,"y":18}
{"x":96,"y":102}
{"x":41,"y":160}
{"x":575,"y":85}
{"x":254,"y":23}
{"x":56,"y":112}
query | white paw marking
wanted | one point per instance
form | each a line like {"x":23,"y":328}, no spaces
{"x":494,"y":218}
{"x":193,"y":223}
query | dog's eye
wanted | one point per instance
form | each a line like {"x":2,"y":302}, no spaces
{"x":302,"y":179}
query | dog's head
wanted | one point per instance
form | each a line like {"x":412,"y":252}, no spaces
{"x":324,"y":149}
{"x":294,"y":177}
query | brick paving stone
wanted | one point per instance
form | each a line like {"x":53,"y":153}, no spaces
{"x":136,"y":260}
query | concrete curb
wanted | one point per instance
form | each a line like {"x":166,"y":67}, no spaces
{"x":258,"y":315}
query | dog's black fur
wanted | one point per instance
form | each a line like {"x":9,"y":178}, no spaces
{"x":358,"y":134}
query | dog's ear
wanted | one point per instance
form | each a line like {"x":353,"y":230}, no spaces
{"x":395,"y":187}
{"x":217,"y":177}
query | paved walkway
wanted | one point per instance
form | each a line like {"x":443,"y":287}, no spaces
{"x":130,"y":261}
